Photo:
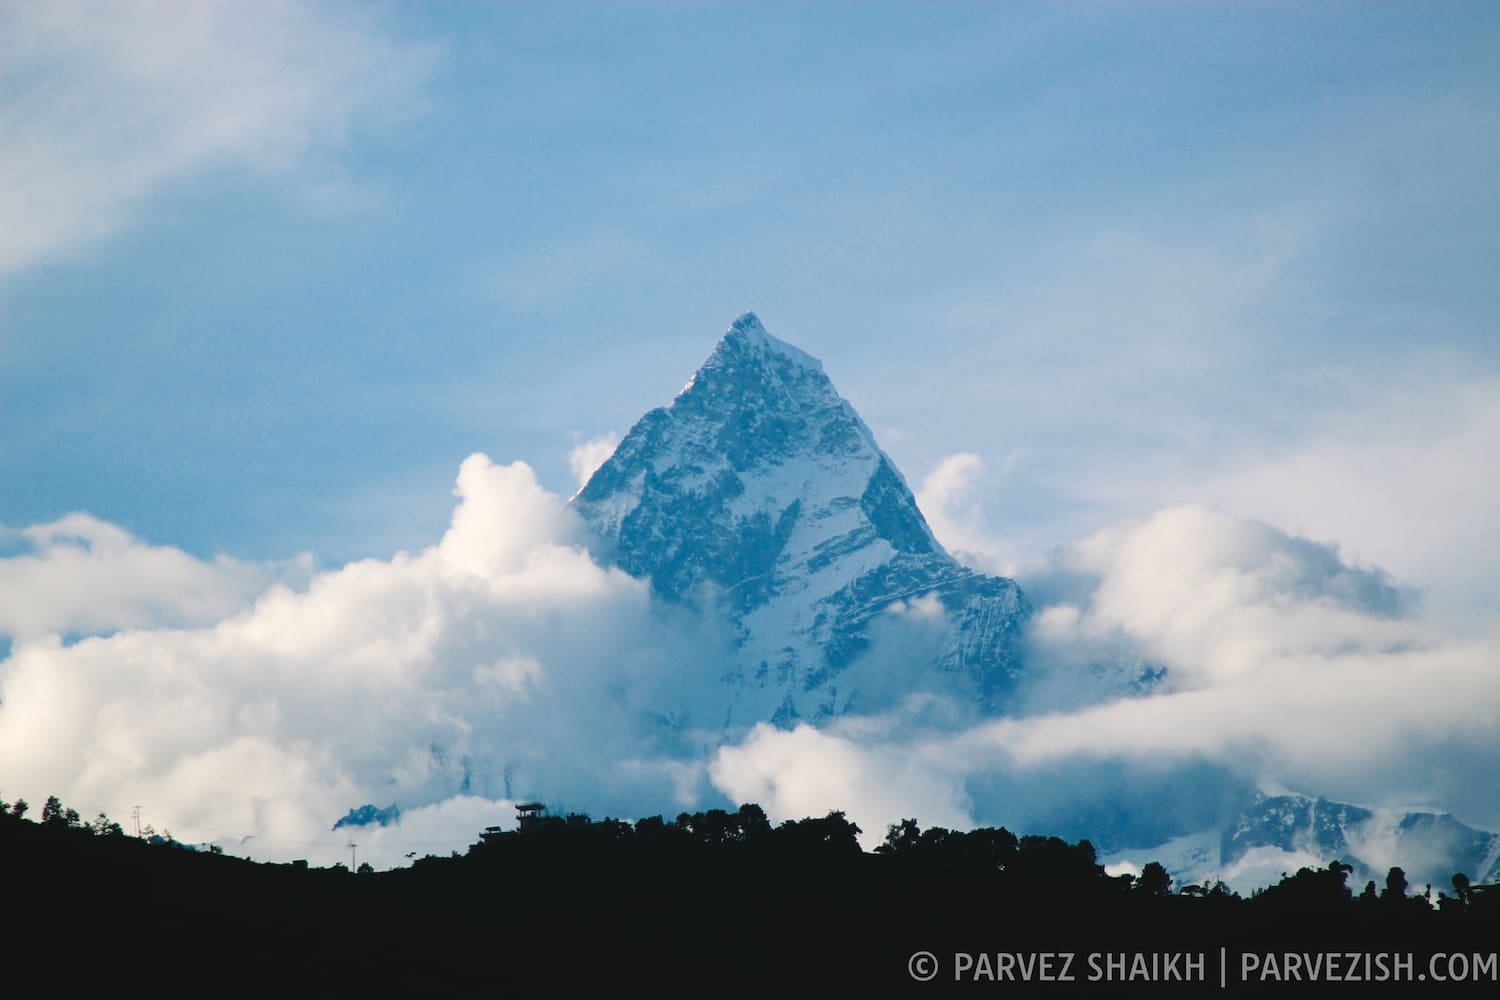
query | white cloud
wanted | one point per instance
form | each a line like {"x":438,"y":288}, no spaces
{"x":432,"y":829}
{"x":1405,"y":476}
{"x":808,"y":772}
{"x":84,"y":576}
{"x":1400,"y":729}
{"x":949,"y":498}
{"x":588,"y":455}
{"x":500,"y":661}
{"x":1216,"y":596}
{"x":110,"y":103}
{"x":1286,"y":668}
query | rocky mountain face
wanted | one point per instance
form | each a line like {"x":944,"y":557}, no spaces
{"x":759,"y":490}
{"x":759,"y":493}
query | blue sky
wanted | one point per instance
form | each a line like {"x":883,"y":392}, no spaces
{"x":1126,"y":240}
{"x":270,"y":272}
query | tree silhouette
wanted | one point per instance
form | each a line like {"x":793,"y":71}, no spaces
{"x":832,"y":832}
{"x":1461,"y":886}
{"x":753,"y":822}
{"x":1154,"y":880}
{"x":900,"y":837}
{"x":52,"y":812}
{"x":1315,"y":890}
{"x":1395,"y":886}
{"x":652,"y":830}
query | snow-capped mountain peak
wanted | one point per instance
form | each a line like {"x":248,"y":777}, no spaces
{"x":761,"y":490}
{"x":747,"y":336}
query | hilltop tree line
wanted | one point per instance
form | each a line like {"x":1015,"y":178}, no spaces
{"x":1031,"y":866}
{"x":1034,"y":866}
{"x":56,"y":816}
{"x":717,"y":898}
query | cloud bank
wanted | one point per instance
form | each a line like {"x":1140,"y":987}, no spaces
{"x":1174,"y":662}
{"x":1183,"y":657}
{"x":501,"y":661}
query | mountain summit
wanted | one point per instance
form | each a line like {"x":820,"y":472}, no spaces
{"x":760,"y":490}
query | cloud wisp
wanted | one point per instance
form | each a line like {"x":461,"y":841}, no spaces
{"x":589,"y":454}
{"x":110,"y":103}
{"x":79,"y":575}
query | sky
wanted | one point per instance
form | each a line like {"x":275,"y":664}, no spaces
{"x":1194,"y":303}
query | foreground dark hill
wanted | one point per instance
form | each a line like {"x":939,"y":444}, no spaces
{"x":712,"y":902}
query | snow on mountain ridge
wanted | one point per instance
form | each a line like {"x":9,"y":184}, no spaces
{"x":761,"y":488}
{"x":747,"y":332}
{"x":1272,"y":834}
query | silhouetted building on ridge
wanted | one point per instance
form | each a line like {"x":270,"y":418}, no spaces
{"x":529,"y":815}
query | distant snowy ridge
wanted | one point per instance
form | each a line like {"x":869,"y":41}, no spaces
{"x":1272,"y":834}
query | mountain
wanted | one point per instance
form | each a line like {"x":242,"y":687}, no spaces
{"x":760,"y":494}
{"x":1431,"y":845}
{"x":760,"y":491}
{"x":1272,"y":834}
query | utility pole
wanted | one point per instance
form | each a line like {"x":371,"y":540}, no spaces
{"x":353,"y":856}
{"x":136,"y":814}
